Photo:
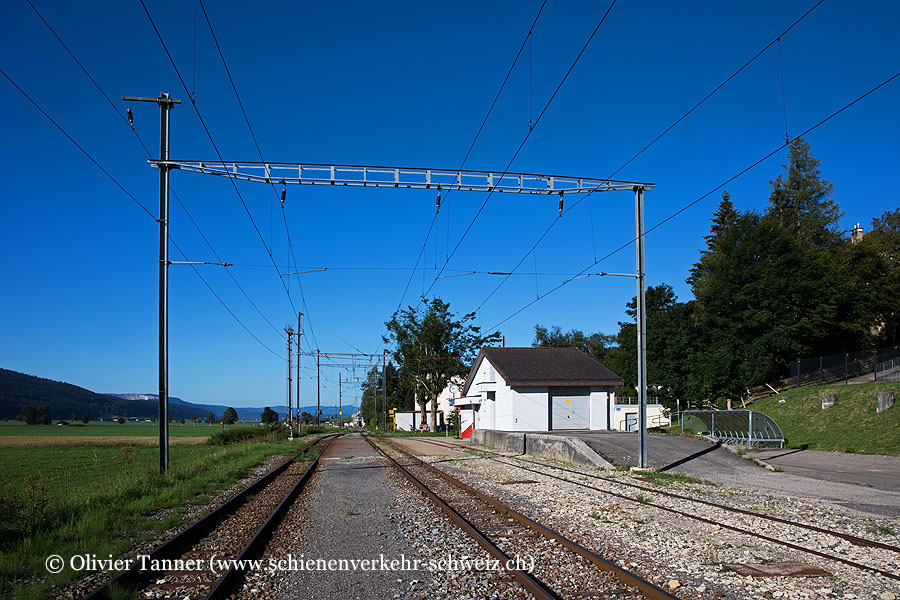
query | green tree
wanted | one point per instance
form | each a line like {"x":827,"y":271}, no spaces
{"x":670,"y":345}
{"x":432,"y":347}
{"x":269,"y":416}
{"x":28,"y":414}
{"x":210,"y":418}
{"x":305,"y":417}
{"x":595,"y":345}
{"x":229,"y":417}
{"x":85,"y":419}
{"x":801,"y":202}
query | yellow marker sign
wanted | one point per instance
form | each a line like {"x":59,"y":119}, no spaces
{"x":568,"y":400}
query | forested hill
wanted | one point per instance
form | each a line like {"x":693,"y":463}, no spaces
{"x":64,"y":399}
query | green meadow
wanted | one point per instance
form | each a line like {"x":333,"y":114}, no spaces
{"x":102,"y":499}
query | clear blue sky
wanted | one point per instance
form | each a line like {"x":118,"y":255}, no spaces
{"x":402,"y":84}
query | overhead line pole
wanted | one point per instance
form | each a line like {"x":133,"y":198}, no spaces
{"x":641,"y":327}
{"x":299,"y":333}
{"x":165,"y":105}
{"x":318,"y":387}
{"x":290,"y":350}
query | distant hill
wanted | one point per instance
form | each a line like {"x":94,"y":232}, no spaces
{"x":63,"y":399}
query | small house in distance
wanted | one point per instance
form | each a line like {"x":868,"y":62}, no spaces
{"x":539,"y":389}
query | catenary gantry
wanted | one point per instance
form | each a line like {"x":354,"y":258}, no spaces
{"x":402,"y":177}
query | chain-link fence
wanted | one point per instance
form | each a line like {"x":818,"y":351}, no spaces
{"x":882,"y":364}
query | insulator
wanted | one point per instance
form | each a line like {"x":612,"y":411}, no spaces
{"x":560,"y":203}
{"x":130,"y":117}
{"x":438,"y":207}
{"x":283,"y":195}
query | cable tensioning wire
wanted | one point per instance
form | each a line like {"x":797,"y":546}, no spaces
{"x":105,"y":172}
{"x":149,"y":155}
{"x":259,"y":152}
{"x":701,"y":198}
{"x":219,"y":154}
{"x":524,"y":140}
{"x":648,"y":145}
{"x":466,"y":157}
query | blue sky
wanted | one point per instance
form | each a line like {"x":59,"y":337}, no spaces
{"x":403,"y":84}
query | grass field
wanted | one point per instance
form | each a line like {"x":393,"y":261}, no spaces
{"x":102,"y":499}
{"x":106,"y":428}
{"x":851,"y":425}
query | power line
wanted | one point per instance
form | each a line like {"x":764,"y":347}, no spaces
{"x":225,"y":306}
{"x":77,"y":145}
{"x":648,"y":145}
{"x":717,"y":88}
{"x":149,"y":155}
{"x":259,"y":152}
{"x":219,"y":154}
{"x":524,"y":140}
{"x":581,"y":274}
{"x":119,"y":185}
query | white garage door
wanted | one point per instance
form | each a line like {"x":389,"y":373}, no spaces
{"x":570,"y":410}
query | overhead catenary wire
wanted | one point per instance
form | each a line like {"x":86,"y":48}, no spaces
{"x":466,"y":158}
{"x":218,"y":153}
{"x":651,"y":143}
{"x":149,"y":155}
{"x":130,"y":195}
{"x":701,"y":198}
{"x":524,"y":140}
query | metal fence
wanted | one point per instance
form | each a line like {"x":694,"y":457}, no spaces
{"x":882,"y":363}
{"x":741,"y":427}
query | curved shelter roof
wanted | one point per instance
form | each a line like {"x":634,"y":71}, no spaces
{"x":745,"y":427}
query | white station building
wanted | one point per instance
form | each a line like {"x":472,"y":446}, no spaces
{"x":537,"y":389}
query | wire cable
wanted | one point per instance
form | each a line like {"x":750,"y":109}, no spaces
{"x":149,"y":155}
{"x":218,"y":153}
{"x":649,"y":144}
{"x":77,"y":145}
{"x":580,"y":275}
{"x":524,"y":140}
{"x":119,"y":185}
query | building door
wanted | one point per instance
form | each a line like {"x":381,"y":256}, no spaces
{"x":570,"y":409}
{"x":631,"y":422}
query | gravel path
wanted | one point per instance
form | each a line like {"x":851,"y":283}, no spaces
{"x":347,"y":512}
{"x":686,"y":556}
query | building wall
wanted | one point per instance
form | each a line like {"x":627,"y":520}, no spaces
{"x":527,"y":409}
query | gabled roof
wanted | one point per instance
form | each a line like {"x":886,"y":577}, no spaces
{"x":534,"y":367}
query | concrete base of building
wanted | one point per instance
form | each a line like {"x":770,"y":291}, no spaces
{"x":540,"y":445}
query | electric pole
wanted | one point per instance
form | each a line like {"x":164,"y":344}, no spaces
{"x":165,"y":105}
{"x":290,"y":350}
{"x":641,"y":327}
{"x":318,"y":387}
{"x":299,"y":333}
{"x":384,"y":389}
{"x":340,"y":402}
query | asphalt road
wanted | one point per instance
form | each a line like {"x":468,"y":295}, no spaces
{"x":879,"y":472}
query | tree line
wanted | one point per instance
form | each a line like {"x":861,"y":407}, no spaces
{"x":768,"y":288}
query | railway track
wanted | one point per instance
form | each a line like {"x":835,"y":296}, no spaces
{"x":205,"y":560}
{"x":564,"y":568}
{"x":856,"y":540}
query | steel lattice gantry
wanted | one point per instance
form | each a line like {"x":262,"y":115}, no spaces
{"x":441,"y":180}
{"x":401,"y":177}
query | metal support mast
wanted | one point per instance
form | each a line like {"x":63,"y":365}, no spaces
{"x":318,"y":388}
{"x":641,"y":327}
{"x":340,"y":402}
{"x":165,"y":103}
{"x":290,"y":350}
{"x":384,"y":389}
{"x":299,"y":333}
